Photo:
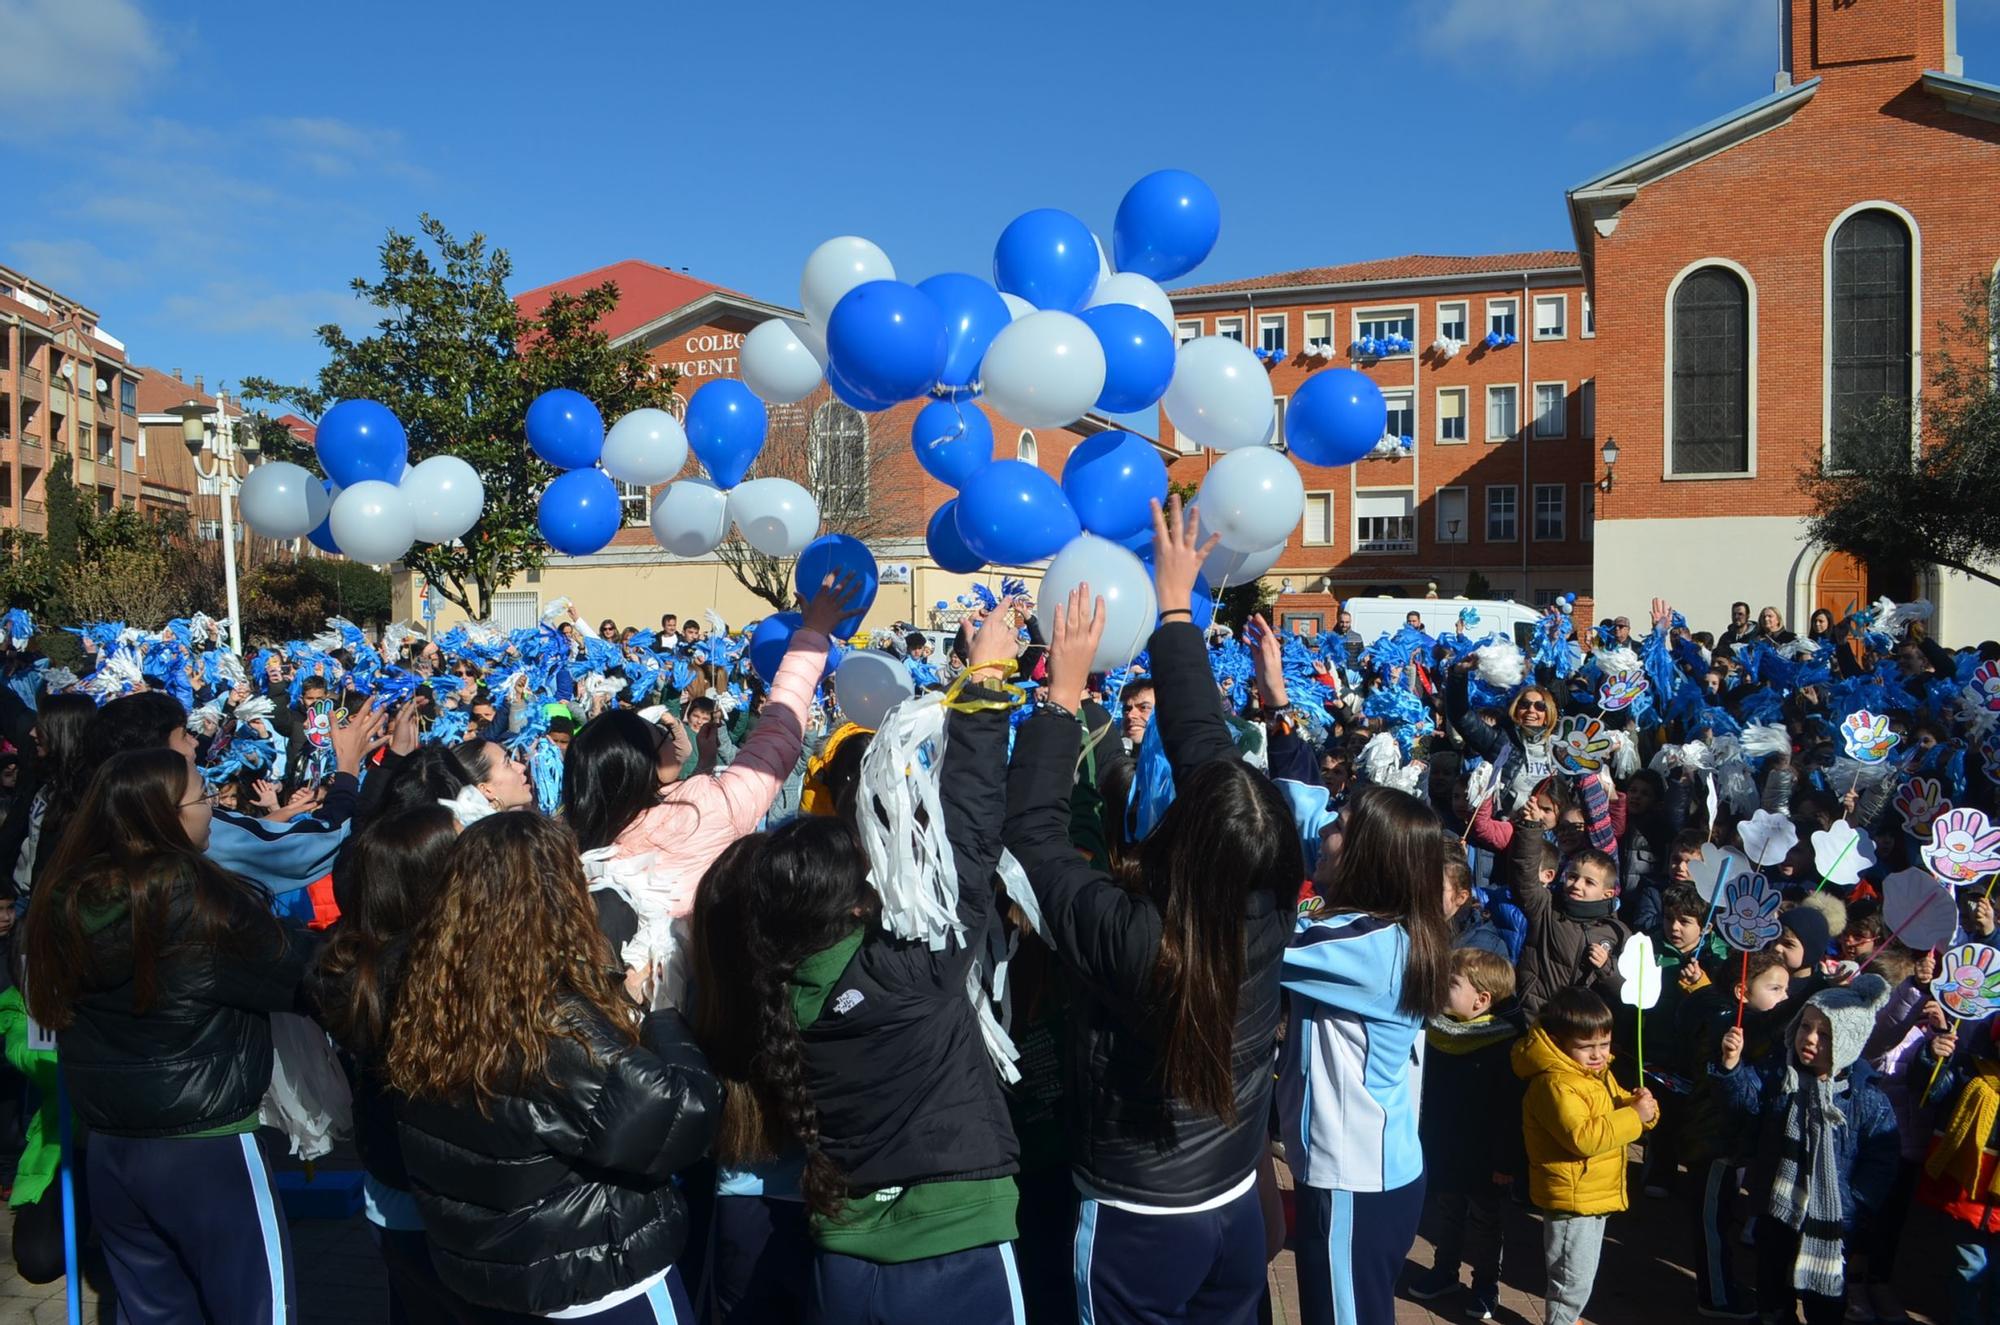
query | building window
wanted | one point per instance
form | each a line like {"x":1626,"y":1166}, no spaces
{"x":1451,"y":321}
{"x":1402,"y":414}
{"x":1589,"y":315}
{"x":128,"y":396}
{"x":1586,"y":510}
{"x":837,"y":461}
{"x":1503,"y":317}
{"x":1502,"y":515}
{"x":1278,"y":404}
{"x":1382,"y":522}
{"x":1503,"y":405}
{"x":1231,"y":327}
{"x":1187,"y":329}
{"x":1317,"y":530}
{"x":1550,"y":512}
{"x":1319,"y":331}
{"x":1305,"y":624}
{"x":1451,"y":415}
{"x":1270,"y":331}
{"x":1711,"y":383}
{"x":1551,"y":410}
{"x":128,"y":456}
{"x":1546,"y":597}
{"x":636,"y":501}
{"x":1382,"y":323}
{"x":1551,"y":316}
{"x":1452,"y":524}
{"x":209,"y":531}
{"x":1869,"y":321}
{"x":1586,"y":406}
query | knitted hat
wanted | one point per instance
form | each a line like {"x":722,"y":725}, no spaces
{"x":1816,"y":921}
{"x":1851,"y":1011}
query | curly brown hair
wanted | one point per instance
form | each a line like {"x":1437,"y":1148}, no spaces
{"x":511,"y":941}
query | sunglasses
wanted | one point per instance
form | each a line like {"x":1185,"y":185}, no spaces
{"x":1535,"y":704}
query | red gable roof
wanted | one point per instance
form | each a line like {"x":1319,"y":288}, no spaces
{"x":646,"y":293}
{"x":1414,"y":267}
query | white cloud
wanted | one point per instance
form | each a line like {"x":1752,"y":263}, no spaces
{"x":335,"y":148}
{"x":1534,"y":36}
{"x":73,"y":63}
{"x":229,"y":308}
{"x":77,"y":267}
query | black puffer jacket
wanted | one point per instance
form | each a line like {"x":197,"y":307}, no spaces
{"x":562,"y":1193}
{"x":1128,"y":1140}
{"x":200,"y":1056}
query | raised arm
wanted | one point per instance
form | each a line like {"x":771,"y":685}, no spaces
{"x":973,"y":782}
{"x":1189,"y":707}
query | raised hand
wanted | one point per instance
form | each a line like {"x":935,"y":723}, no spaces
{"x":998,"y":639}
{"x":833,"y":604}
{"x":360,"y":736}
{"x":1178,"y":552}
{"x":1269,"y":659}
{"x":1079,"y":625}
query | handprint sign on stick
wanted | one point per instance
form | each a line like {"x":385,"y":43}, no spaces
{"x":1639,"y":971}
{"x":1920,"y":800}
{"x":1580,"y":745}
{"x":1985,"y":685}
{"x":1918,"y":909}
{"x":1867,"y":737}
{"x":1968,"y":982}
{"x":1620,"y":692}
{"x":1964,"y":846}
{"x":1749,"y":916}
{"x":1713,"y":867}
{"x":1768,"y":838}
{"x":1841,"y":854}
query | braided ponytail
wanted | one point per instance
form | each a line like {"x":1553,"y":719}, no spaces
{"x":780,"y":1067}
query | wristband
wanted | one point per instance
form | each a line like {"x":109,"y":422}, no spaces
{"x":1178,"y":611}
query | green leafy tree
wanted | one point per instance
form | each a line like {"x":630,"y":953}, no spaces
{"x":291,"y":600}
{"x":1478,"y":586}
{"x":458,"y":363}
{"x":1915,"y":487}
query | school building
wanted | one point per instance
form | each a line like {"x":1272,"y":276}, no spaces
{"x":1625,"y":420}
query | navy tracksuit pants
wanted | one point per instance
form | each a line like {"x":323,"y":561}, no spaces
{"x":979,"y":1286}
{"x":192,"y":1230}
{"x":759,"y":1262}
{"x":1350,"y":1248}
{"x":1205,"y":1266}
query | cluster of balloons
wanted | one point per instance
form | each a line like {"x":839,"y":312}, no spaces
{"x":580,"y":510}
{"x":372,"y":505}
{"x":726,"y":427}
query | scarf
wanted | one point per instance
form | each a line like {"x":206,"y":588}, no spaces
{"x":1448,"y":1035}
{"x":1805,"y":1193}
{"x":1963,"y":1139}
{"x":1602,"y":909}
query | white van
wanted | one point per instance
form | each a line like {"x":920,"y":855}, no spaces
{"x":1374,"y":617}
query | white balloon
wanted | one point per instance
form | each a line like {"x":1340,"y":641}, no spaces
{"x":1103,"y":261}
{"x":1118,"y":577}
{"x":371,"y":522}
{"x":868,"y":683}
{"x":1252,"y":498}
{"x":777,"y":365}
{"x":645,"y":447}
{"x":283,"y":500}
{"x":1226,"y":566}
{"x":1044,"y":370}
{"x":812,"y":336}
{"x":1129,"y":287}
{"x":836,"y":267}
{"x":445,"y":497}
{"x":775,"y":515}
{"x":690,"y":517}
{"x":1017,"y":307}
{"x":1220,"y":396}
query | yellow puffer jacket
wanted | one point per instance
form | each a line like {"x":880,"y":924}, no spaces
{"x":1576,"y":1125}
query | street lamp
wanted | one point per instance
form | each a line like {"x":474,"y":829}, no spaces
{"x":197,"y":432}
{"x":1610,"y":463}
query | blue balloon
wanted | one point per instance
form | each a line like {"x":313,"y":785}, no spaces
{"x":361,"y":439}
{"x":725,"y":429}
{"x":953,"y":440}
{"x":833,"y":554}
{"x":1113,"y":478}
{"x":565,"y":429}
{"x":973,"y":313}
{"x":888,"y":339}
{"x":579,"y":511}
{"x":1048,"y":258}
{"x":322,"y":537}
{"x":1166,"y":224}
{"x":844,"y":392}
{"x":947,"y":549}
{"x":1011,"y":513}
{"x":773,"y":636}
{"x":1138,"y":356}
{"x":1336,"y":416}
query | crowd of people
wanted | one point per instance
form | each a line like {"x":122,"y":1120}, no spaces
{"x":651,"y":987}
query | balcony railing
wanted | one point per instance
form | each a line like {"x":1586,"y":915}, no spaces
{"x":1386,"y":545}
{"x":31,"y":374}
{"x":31,"y":506}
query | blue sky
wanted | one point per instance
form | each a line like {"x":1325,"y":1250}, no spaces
{"x":208,"y":177}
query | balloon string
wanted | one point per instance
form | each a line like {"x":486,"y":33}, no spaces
{"x":1898,"y":933}
{"x":1740,"y":990}
{"x":1828,"y":872}
{"x":1016,"y":696}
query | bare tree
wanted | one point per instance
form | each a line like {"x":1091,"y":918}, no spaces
{"x":851,"y":463}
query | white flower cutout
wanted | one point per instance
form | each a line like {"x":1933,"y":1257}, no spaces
{"x":1843,"y":853}
{"x":1715,"y":866}
{"x":1918,"y":908}
{"x":1640,"y":971}
{"x":1768,"y":838}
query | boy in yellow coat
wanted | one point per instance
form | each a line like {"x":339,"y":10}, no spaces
{"x":1576,"y":1122}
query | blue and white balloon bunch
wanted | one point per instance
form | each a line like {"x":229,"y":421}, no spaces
{"x":372,"y":505}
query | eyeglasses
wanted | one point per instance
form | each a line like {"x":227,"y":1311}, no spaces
{"x":208,"y":798}
{"x":1535,"y":704}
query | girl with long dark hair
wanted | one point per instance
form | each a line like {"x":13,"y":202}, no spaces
{"x":1363,"y":974}
{"x":160,"y":970}
{"x":1171,"y":1049}
{"x":52,"y":784}
{"x":542,"y":1120}
{"x":867,"y":1056}
{"x":651,"y":833}
{"x":391,"y":879}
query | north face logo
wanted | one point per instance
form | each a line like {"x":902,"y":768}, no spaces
{"x":847,"y":1002}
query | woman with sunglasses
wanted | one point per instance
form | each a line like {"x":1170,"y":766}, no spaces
{"x":160,"y":969}
{"x":1520,"y":741}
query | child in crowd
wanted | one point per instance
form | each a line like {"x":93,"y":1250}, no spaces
{"x":1961,"y":1174}
{"x":1825,"y":1151}
{"x":1576,"y":1123}
{"x":1471,"y":1145}
{"x":1683,"y":854}
{"x":1866,"y":931}
{"x":1574,"y":932}
{"x":1909,"y":1029}
{"x":1471,"y":926}
{"x":1679,"y":950}
{"x":1809,"y":931}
